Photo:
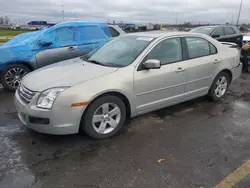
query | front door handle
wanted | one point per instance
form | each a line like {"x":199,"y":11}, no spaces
{"x":216,"y":61}
{"x":180,"y":70}
{"x":72,"y":48}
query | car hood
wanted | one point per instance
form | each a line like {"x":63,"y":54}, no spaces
{"x":65,"y":73}
{"x":22,"y":39}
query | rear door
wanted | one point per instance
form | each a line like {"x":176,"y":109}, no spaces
{"x":219,"y":34}
{"x":203,"y":60}
{"x":63,"y":47}
{"x":90,"y":37}
{"x":232,"y":36}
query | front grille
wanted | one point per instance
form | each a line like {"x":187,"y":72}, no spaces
{"x":25,"y":94}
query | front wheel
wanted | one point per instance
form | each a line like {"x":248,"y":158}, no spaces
{"x":11,"y":76}
{"x":219,"y":86}
{"x":104,"y":117}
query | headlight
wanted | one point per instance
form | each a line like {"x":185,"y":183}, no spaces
{"x":47,"y":97}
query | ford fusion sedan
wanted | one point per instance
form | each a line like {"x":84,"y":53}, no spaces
{"x":131,"y":75}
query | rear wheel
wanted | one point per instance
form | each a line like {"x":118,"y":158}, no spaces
{"x":219,"y":86}
{"x":11,"y":76}
{"x":104,"y":117}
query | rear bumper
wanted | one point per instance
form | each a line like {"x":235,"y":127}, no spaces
{"x":236,"y":71}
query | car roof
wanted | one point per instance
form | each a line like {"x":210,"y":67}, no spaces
{"x":164,"y":34}
{"x":214,"y":26}
{"x":78,"y":23}
{"x":74,"y":24}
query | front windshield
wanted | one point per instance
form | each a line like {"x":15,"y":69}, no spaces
{"x":120,"y":52}
{"x":203,"y":30}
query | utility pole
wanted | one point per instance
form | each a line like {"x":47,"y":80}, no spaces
{"x":238,"y":20}
{"x":63,"y":13}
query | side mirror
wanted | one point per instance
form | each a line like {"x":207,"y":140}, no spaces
{"x":215,"y":36}
{"x":152,"y":64}
{"x":44,"y":44}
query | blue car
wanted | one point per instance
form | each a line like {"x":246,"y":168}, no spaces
{"x":30,"y":51}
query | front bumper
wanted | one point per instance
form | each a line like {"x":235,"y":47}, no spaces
{"x":236,"y":71}
{"x":62,"y":119}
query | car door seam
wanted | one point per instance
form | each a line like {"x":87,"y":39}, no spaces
{"x":200,"y":79}
{"x":156,"y":90}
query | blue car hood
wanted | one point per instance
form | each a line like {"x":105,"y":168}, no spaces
{"x":23,"y":39}
{"x":19,"y":49}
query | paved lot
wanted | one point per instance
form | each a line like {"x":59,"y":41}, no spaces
{"x":199,"y":143}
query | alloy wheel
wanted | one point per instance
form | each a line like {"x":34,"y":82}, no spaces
{"x":106,"y":118}
{"x":221,"y":86}
{"x":13,"y":76}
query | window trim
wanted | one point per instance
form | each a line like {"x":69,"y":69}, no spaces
{"x":199,"y":56}
{"x":140,"y":65}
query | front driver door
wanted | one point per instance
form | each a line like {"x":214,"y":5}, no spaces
{"x":63,"y":47}
{"x":157,"y":88}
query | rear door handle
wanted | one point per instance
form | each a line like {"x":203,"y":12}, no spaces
{"x":216,"y":61}
{"x":72,"y":48}
{"x":180,"y":70}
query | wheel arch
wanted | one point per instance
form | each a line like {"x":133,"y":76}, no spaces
{"x":229,"y":72}
{"x":25,"y":63}
{"x":114,"y":93}
{"x":226,"y":71}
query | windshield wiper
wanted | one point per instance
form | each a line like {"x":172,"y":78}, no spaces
{"x":95,"y":62}
{"x":114,"y":65}
{"x":84,"y":58}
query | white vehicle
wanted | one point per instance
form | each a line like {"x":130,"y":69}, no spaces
{"x":246,"y":38}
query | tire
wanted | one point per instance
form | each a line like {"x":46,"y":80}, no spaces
{"x":217,"y":91}
{"x":101,"y":108}
{"x":15,"y":70}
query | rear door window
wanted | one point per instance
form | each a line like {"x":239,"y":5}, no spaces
{"x":65,"y":36}
{"x":229,"y":31}
{"x":197,"y":47}
{"x":91,"y":33}
{"x":218,"y":32}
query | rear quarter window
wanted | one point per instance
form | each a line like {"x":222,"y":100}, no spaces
{"x":213,"y":49}
{"x":113,"y":32}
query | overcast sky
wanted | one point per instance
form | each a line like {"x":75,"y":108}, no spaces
{"x":162,"y":11}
